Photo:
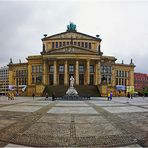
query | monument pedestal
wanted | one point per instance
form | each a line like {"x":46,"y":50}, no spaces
{"x":71,"y":91}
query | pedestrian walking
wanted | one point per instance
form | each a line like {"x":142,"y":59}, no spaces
{"x":108,"y":96}
{"x":128,"y":95}
{"x":53,"y":96}
{"x":46,"y":96}
{"x":111,"y":95}
{"x":33,"y":95}
{"x":143,"y":95}
{"x":131,"y":96}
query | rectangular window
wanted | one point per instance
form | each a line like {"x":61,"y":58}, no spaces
{"x":33,"y":79}
{"x":40,"y":68}
{"x":122,"y":73}
{"x":125,"y":82}
{"x":75,"y":43}
{"x":122,"y":81}
{"x":63,"y":43}
{"x":119,"y":81}
{"x":25,"y":81}
{"x":37,"y":68}
{"x":125,"y":73}
{"x":91,"y":68}
{"x":22,"y":81}
{"x":53,"y":45}
{"x":86,"y":45}
{"x":103,"y":78}
{"x":17,"y":73}
{"x":71,"y":68}
{"x":56,"y":44}
{"x":109,"y":70}
{"x":119,"y":73}
{"x":102,"y":67}
{"x":89,"y":45}
{"x":51,"y":68}
{"x":78,"y":43}
{"x":105,"y":69}
{"x":61,"y":68}
{"x":81,"y":68}
{"x":67,"y":43}
{"x":17,"y":81}
{"x":109,"y":79}
{"x":39,"y":79}
{"x":33,"y":69}
{"x":82,"y":44}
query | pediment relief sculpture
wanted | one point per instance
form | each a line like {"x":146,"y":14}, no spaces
{"x":71,"y":49}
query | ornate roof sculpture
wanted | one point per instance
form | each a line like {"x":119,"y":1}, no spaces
{"x":71,"y":27}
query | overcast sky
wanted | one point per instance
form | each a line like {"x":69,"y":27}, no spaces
{"x":121,"y":24}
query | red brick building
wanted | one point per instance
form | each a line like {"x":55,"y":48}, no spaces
{"x":140,"y":81}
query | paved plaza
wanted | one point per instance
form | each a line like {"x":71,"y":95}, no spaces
{"x":25,"y":122}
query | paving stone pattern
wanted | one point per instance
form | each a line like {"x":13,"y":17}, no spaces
{"x":93,"y":123}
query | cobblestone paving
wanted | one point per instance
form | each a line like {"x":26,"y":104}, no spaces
{"x":94,"y":123}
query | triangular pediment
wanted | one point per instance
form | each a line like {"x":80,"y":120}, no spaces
{"x":71,"y":34}
{"x":71,"y":49}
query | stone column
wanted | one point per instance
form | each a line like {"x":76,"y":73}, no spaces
{"x":96,"y":73}
{"x":65,"y":73}
{"x":99,"y":72}
{"x":45,"y":73}
{"x":123,"y":80}
{"x":88,"y":72}
{"x":77,"y":72}
{"x":55,"y":73}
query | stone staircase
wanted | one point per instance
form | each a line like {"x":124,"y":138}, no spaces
{"x":83,"y":90}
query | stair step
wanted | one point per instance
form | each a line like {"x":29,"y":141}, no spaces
{"x":83,"y":90}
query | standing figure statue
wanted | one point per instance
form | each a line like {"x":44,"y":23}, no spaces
{"x":72,"y":81}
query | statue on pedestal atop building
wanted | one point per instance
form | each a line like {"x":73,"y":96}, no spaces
{"x":71,"y":27}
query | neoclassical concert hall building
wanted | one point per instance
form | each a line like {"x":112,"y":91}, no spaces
{"x":71,"y":53}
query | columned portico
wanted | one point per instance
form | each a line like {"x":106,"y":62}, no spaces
{"x":76,"y":73}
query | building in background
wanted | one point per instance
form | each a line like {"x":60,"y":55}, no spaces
{"x":18,"y":77}
{"x":4,"y":80}
{"x":140,"y":81}
{"x":76,"y":54}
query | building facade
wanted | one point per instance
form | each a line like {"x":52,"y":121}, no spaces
{"x":4,"y":80}
{"x":140,"y":81}
{"x":76,"y":54}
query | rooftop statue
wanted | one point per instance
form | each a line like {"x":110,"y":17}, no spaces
{"x":71,"y":27}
